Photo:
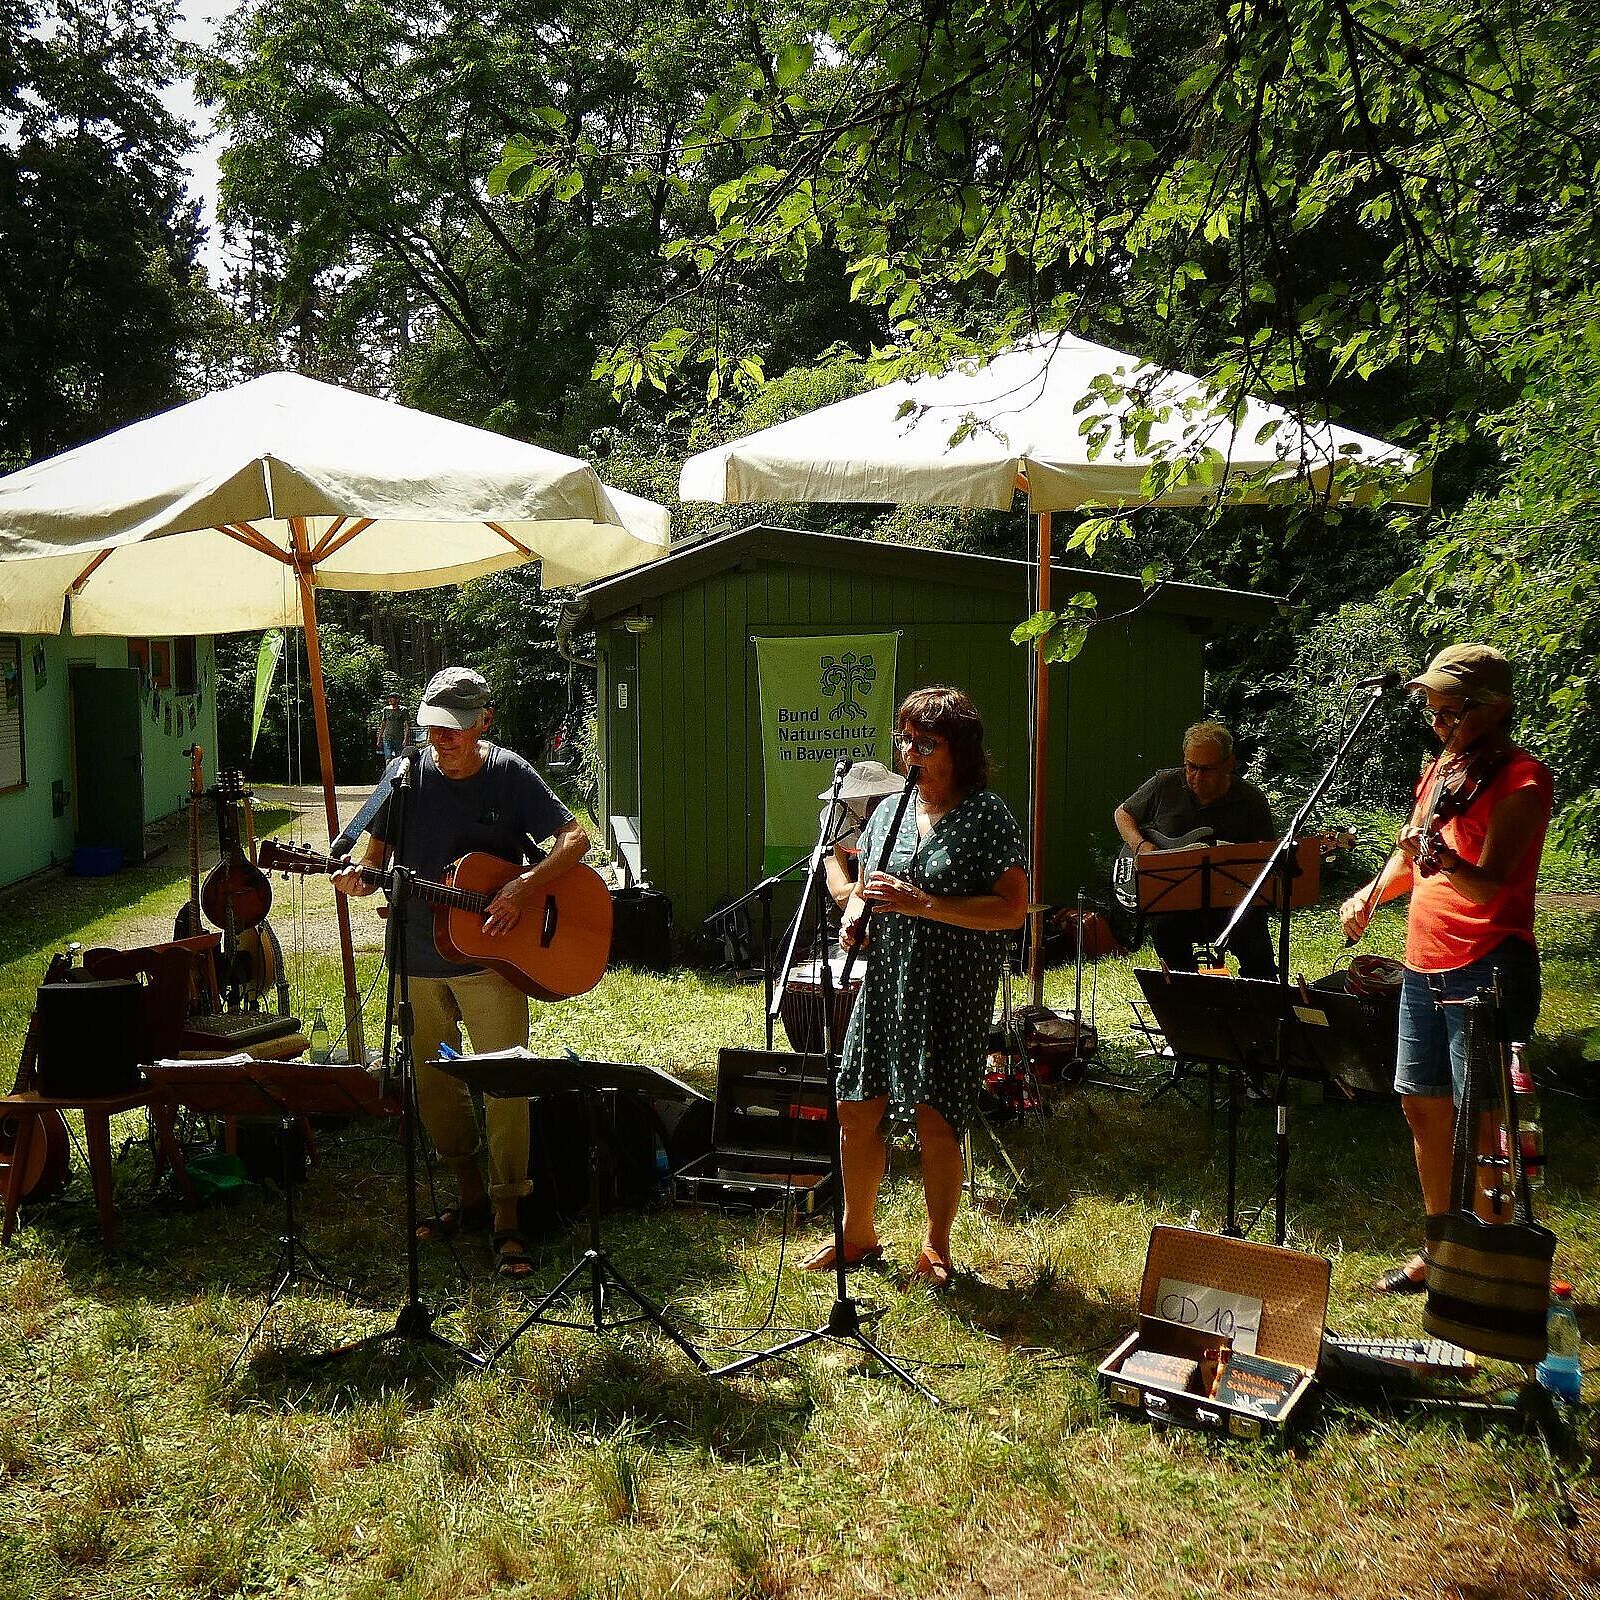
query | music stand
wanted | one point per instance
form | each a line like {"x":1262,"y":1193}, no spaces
{"x":518,"y":1075}
{"x":1284,"y":864}
{"x":1224,"y":877}
{"x":285,"y":1091}
{"x":1256,"y":1025}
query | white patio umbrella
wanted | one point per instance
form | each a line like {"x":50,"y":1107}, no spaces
{"x":231,"y":512}
{"x":1037,"y":418}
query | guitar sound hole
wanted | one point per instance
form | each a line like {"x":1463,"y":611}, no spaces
{"x":551,"y":912}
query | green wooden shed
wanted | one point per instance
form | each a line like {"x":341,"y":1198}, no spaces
{"x":681,"y":788}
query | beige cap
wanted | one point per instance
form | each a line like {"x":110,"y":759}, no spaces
{"x":1474,"y":670}
{"x":455,"y":698}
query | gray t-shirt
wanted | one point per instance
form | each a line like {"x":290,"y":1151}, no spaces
{"x":1166,"y":804}
{"x":505,"y":809}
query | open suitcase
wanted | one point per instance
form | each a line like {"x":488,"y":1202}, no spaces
{"x":769,"y":1136}
{"x":1229,"y":1335}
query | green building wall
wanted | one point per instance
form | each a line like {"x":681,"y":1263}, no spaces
{"x":32,"y":836}
{"x":684,"y":755}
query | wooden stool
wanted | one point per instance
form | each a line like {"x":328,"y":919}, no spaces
{"x":97,"y":1114}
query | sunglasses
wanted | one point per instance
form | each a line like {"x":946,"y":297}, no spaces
{"x":923,"y":744}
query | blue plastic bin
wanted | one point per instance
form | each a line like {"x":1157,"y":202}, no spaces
{"x":96,"y":860}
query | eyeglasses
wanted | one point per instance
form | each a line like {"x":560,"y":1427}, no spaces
{"x":924,"y":744}
{"x":1449,"y":716}
{"x":1199,"y":769}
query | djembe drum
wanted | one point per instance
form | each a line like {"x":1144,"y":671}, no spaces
{"x":801,"y":1008}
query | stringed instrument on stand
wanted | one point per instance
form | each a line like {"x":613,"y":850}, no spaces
{"x":269,"y":972}
{"x":50,"y":1152}
{"x":558,"y":949}
{"x":236,"y":897}
{"x":189,"y":922}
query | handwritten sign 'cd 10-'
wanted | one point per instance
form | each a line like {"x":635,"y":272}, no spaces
{"x":1197,"y":1305}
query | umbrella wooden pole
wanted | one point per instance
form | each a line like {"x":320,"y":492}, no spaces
{"x":1041,"y":745}
{"x":355,"y":1038}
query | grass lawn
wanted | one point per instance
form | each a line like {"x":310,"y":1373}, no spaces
{"x":588,"y":1467}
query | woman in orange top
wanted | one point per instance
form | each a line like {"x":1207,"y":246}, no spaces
{"x":1471,"y":917}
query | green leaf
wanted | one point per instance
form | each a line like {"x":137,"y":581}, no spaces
{"x":794,"y":62}
{"x":1036,"y":627}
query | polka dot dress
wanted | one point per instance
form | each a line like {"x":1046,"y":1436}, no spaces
{"x":920,"y":1027}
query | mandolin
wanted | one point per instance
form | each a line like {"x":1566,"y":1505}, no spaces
{"x":559,"y":949}
{"x":50,"y":1150}
{"x":236,"y":894}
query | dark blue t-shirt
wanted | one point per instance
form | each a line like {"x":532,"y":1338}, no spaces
{"x":504,"y":809}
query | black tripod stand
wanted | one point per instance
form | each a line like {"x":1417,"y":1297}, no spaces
{"x":415,"y":1319}
{"x":520,"y":1075}
{"x":297,"y":1263}
{"x":844,"y":1324}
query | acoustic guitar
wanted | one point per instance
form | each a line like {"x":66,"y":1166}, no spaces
{"x":50,"y":1150}
{"x":559,"y":949}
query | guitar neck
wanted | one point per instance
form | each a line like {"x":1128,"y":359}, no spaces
{"x":437,"y":894}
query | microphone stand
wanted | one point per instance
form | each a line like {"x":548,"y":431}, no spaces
{"x":1283,"y":861}
{"x":843,"y":1325}
{"x":415,"y":1320}
{"x":763,"y":892}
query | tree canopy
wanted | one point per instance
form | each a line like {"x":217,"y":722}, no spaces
{"x":99,"y":302}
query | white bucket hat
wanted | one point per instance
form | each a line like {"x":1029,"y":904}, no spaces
{"x":866,"y":780}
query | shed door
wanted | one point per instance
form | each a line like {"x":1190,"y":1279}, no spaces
{"x":108,"y":762}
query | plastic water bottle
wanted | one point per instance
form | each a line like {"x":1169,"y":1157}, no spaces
{"x":663,"y":1172}
{"x":319,"y":1038}
{"x":1561,"y":1372}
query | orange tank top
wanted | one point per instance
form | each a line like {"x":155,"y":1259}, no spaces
{"x":1445,"y":930}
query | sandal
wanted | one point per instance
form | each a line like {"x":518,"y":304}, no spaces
{"x":933,"y":1270}
{"x":453,"y":1220}
{"x":862,"y":1255}
{"x":1398,"y":1280}
{"x":511,"y":1258}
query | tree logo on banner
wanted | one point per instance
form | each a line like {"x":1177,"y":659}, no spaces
{"x":844,"y":677}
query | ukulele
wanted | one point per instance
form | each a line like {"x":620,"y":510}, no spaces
{"x":559,"y":948}
{"x":50,"y":1150}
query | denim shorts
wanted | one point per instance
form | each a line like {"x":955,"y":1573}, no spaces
{"x":1432,"y":1058}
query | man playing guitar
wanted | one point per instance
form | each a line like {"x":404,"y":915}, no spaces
{"x":1469,"y":858}
{"x":1201,"y":802}
{"x":468,"y":795}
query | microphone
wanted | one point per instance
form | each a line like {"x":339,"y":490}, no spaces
{"x":1381,"y":681}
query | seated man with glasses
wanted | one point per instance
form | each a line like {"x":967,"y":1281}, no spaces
{"x":1201,"y":802}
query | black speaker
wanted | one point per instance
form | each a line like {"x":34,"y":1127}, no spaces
{"x":641,"y":930}
{"x":89,"y":1038}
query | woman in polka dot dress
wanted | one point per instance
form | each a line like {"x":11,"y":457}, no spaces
{"x":953,"y":887}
